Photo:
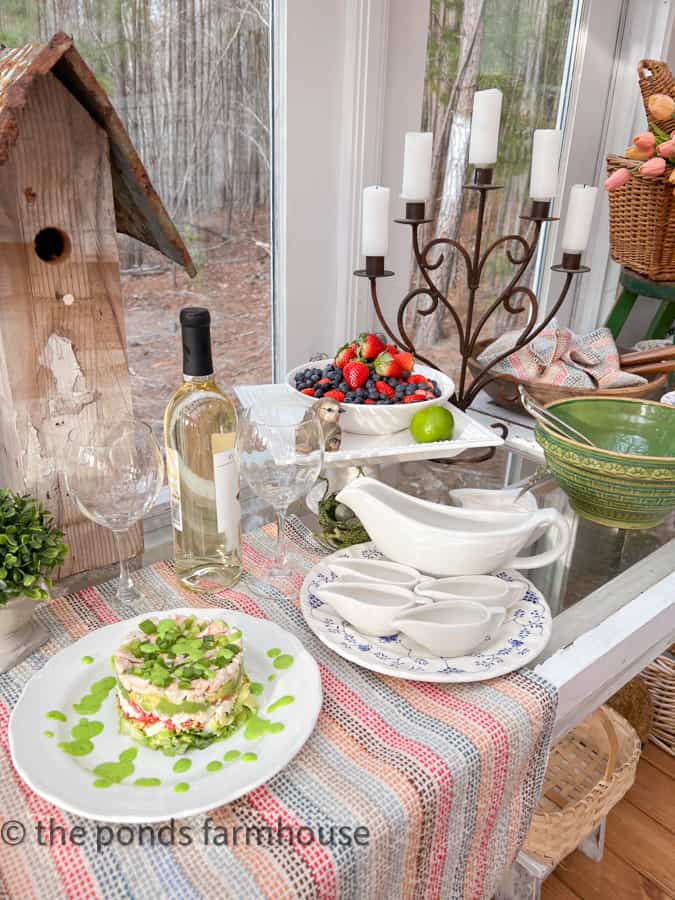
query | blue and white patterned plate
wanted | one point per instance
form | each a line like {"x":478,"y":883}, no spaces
{"x":520,"y":639}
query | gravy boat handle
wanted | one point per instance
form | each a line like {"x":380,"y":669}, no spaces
{"x":546,"y":517}
{"x":497,"y":615}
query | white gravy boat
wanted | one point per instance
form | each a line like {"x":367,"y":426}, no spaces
{"x":487,"y":590}
{"x":451,"y":628}
{"x":447,"y":540}
{"x":349,"y":569}
{"x":370,"y":607}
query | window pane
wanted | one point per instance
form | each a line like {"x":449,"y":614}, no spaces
{"x":518,"y":46}
{"x":189,"y":78}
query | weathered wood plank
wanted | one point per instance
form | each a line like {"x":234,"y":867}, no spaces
{"x":643,"y":844}
{"x":660,"y":759}
{"x":653,"y":792}
{"x":555,"y":889}
{"x":63,"y":363}
{"x":611,"y":879}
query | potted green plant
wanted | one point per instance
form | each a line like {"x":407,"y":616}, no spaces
{"x":31,"y":547}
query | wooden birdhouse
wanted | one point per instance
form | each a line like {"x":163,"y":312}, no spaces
{"x":70,"y":179}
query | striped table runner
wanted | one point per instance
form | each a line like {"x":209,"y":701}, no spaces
{"x":442,"y":779}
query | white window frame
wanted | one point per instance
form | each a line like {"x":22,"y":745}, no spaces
{"x":347,"y":86}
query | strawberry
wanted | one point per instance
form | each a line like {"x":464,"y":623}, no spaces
{"x":406,"y":361}
{"x":369,"y":346}
{"x":424,"y":395}
{"x":386,"y":365}
{"x":323,"y":381}
{"x":308,"y":391}
{"x":369,"y":402}
{"x":356,"y":373}
{"x":391,"y":348}
{"x":344,"y":355}
{"x":335,"y":394}
{"x":412,"y":398}
{"x":383,"y":388}
{"x":418,"y":379}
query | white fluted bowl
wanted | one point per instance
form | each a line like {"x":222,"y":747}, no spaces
{"x":358,"y":418}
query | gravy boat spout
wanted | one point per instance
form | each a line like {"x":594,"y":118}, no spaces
{"x":448,"y":540}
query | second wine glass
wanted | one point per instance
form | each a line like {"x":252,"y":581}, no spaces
{"x":281,"y":454}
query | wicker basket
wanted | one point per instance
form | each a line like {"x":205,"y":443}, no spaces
{"x":504,"y":388}
{"x":660,"y":678}
{"x":588,"y":772}
{"x":642,"y":212}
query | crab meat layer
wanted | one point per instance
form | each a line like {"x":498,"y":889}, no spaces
{"x":201,"y":689}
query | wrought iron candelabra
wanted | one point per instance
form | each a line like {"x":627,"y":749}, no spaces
{"x":515,"y":297}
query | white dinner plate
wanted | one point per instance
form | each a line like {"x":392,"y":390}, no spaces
{"x":68,"y":781}
{"x":525,"y":632}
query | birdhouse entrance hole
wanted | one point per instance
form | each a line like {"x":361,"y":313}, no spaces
{"x":52,"y":245}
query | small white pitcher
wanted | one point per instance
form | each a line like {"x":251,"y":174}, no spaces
{"x":452,"y":627}
{"x":369,"y":606}
{"x":487,"y":590}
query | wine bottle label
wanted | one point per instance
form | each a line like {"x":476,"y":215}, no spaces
{"x":226,"y":478}
{"x":173,"y":477}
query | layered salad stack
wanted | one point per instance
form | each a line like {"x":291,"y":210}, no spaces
{"x":181,"y":683}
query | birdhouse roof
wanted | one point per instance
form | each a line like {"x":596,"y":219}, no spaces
{"x":138,"y":210}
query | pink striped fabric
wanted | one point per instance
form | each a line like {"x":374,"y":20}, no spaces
{"x":444,"y":778}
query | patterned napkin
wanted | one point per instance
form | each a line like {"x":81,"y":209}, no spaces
{"x":559,"y":356}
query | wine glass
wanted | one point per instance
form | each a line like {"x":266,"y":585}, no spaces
{"x":114,"y":478}
{"x":280,"y":455}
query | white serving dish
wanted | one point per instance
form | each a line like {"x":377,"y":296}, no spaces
{"x":447,"y":540}
{"x":67,"y":781}
{"x":521,"y":638}
{"x":488,"y":590}
{"x":378,"y":420}
{"x":370,"y":607}
{"x":452,"y":628}
{"x":371,"y":570}
{"x":505,"y":500}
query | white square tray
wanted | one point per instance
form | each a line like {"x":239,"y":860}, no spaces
{"x":358,"y":449}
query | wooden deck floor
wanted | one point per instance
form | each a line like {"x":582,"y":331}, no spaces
{"x":639,"y":859}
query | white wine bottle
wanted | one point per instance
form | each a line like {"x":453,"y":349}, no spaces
{"x":200,"y":433}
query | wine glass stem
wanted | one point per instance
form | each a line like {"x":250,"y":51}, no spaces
{"x":125,"y":587}
{"x":280,"y":549}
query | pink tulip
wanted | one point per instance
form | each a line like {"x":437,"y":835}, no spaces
{"x":653,"y":167}
{"x":617,"y":179}
{"x":645,"y":141}
{"x":666,"y":149}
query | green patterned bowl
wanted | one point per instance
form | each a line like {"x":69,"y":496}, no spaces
{"x":628,"y":479}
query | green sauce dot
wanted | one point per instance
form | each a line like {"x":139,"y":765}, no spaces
{"x":271,"y":677}
{"x":48,"y":733}
{"x":182,"y":765}
{"x":282,"y":701}
{"x":249,"y":757}
{"x":182,"y":787}
{"x":102,"y":783}
{"x":77,"y":748}
{"x":147,"y":782}
{"x":55,"y":714}
{"x":231,"y":755}
{"x":283,"y":662}
{"x":275,"y":651}
{"x":256,"y":688}
{"x":87,"y":660}
{"x":214,"y":766}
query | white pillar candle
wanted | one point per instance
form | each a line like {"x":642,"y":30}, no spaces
{"x":546,"y":145}
{"x":579,"y":218}
{"x":417,"y":166}
{"x":375,"y":221}
{"x":487,"y":111}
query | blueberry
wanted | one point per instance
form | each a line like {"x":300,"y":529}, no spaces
{"x":437,"y":392}
{"x":344,"y":387}
{"x":319,"y":392}
{"x":370,"y":384}
{"x":393,"y":382}
{"x":360,"y":392}
{"x":410,"y":389}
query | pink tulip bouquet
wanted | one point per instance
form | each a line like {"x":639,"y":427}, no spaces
{"x":650,"y":151}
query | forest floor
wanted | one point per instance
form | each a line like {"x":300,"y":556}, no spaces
{"x":233,"y":281}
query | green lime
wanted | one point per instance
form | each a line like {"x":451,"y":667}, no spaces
{"x":435,"y":423}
